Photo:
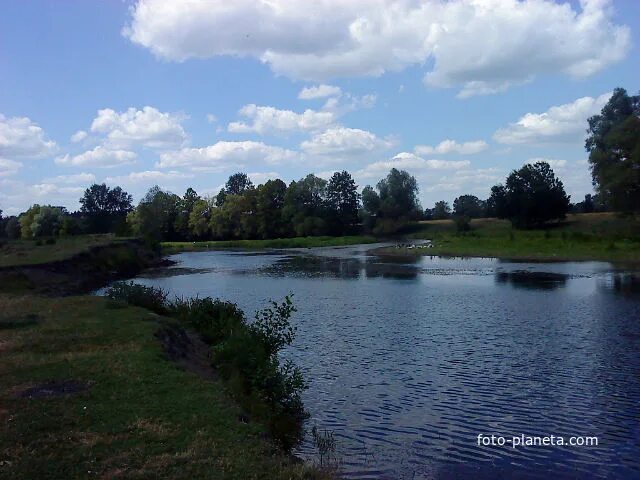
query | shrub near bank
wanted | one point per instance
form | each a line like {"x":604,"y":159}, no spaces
{"x":245,"y":354}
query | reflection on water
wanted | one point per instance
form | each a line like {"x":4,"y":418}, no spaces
{"x":409,"y":359}
{"x":534,"y":280}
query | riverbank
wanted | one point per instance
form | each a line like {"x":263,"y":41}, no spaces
{"x":296,"y":242}
{"x":72,"y":265}
{"x":91,"y":387}
{"x":86,"y":390}
{"x":595,"y":236}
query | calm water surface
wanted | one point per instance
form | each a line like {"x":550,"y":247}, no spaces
{"x":409,"y":360}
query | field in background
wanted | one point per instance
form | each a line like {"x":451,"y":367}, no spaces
{"x":588,"y":236}
{"x":297,"y":242}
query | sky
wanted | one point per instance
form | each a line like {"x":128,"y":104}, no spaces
{"x":183,"y":94}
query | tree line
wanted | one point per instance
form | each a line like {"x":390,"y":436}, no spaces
{"x":530,"y":197}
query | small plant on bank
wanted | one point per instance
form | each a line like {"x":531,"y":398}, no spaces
{"x":325,"y":443}
{"x":215,"y":319}
{"x":151,"y":298}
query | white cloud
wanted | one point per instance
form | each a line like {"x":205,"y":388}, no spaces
{"x":71,"y":179}
{"x":348,"y":103}
{"x":9,"y":167}
{"x":556,"y":164}
{"x":410,"y":162}
{"x":147,"y":177}
{"x":98,"y":157}
{"x":482,"y":46}
{"x":562,"y":123}
{"x":148,"y":127}
{"x":211,"y":118}
{"x":261,"y":177}
{"x":223,"y":155}
{"x":266,"y":120}
{"x":16,"y":196}
{"x":21,"y":138}
{"x":451,"y":146}
{"x":78,"y":136}
{"x":342,"y":141}
{"x":319,"y":91}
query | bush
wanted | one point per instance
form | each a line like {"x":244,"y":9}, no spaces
{"x":215,"y":319}
{"x":151,"y":298}
{"x":249,"y":358}
{"x":245,"y":354}
{"x":463,"y":223}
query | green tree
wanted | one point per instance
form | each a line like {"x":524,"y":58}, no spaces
{"x":532,"y":196}
{"x":12,"y":228}
{"x":105,"y":208}
{"x":185,"y":207}
{"x":200,"y":218}
{"x":370,"y":207}
{"x":305,"y":206}
{"x":441,"y":210}
{"x":613,"y":143}
{"x":154,"y":217}
{"x":468,"y":206}
{"x":41,"y":221}
{"x":398,"y":195}
{"x":269,"y":205}
{"x":342,"y":202}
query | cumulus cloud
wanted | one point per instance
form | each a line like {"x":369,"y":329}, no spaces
{"x":342,"y":141}
{"x":147,"y":177}
{"x":223,"y":155}
{"x":261,"y":177}
{"x":562,"y":123}
{"x":319,"y":91}
{"x":98,"y":157}
{"x":9,"y":167}
{"x":17,"y":196}
{"x":553,"y":163}
{"x":78,"y":136}
{"x":451,"y":146}
{"x":410,"y":162}
{"x":22,"y":139}
{"x":80,"y":178}
{"x":480,"y":46}
{"x":148,"y":128}
{"x":265,"y":120}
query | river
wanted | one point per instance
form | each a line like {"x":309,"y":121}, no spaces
{"x":409,"y":359}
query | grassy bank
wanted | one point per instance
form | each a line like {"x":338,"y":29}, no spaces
{"x":34,"y":252}
{"x":297,"y":242}
{"x":87,"y":392}
{"x":594,"y":236}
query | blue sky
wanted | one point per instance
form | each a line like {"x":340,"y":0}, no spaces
{"x":182,"y":94}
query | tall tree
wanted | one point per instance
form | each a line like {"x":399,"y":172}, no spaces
{"x":104,"y":207}
{"x":185,"y":207}
{"x":441,"y":210}
{"x":532,"y":196}
{"x":41,"y":221}
{"x":468,"y":206}
{"x":269,"y":205}
{"x":343,"y":202}
{"x":613,"y":143}
{"x":237,"y":184}
{"x":154,"y":217}
{"x":398,"y":195}
{"x":305,"y":206}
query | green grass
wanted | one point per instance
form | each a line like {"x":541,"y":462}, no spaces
{"x":595,"y":236}
{"x":141,"y":417}
{"x":297,"y":242}
{"x":26,"y":252}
